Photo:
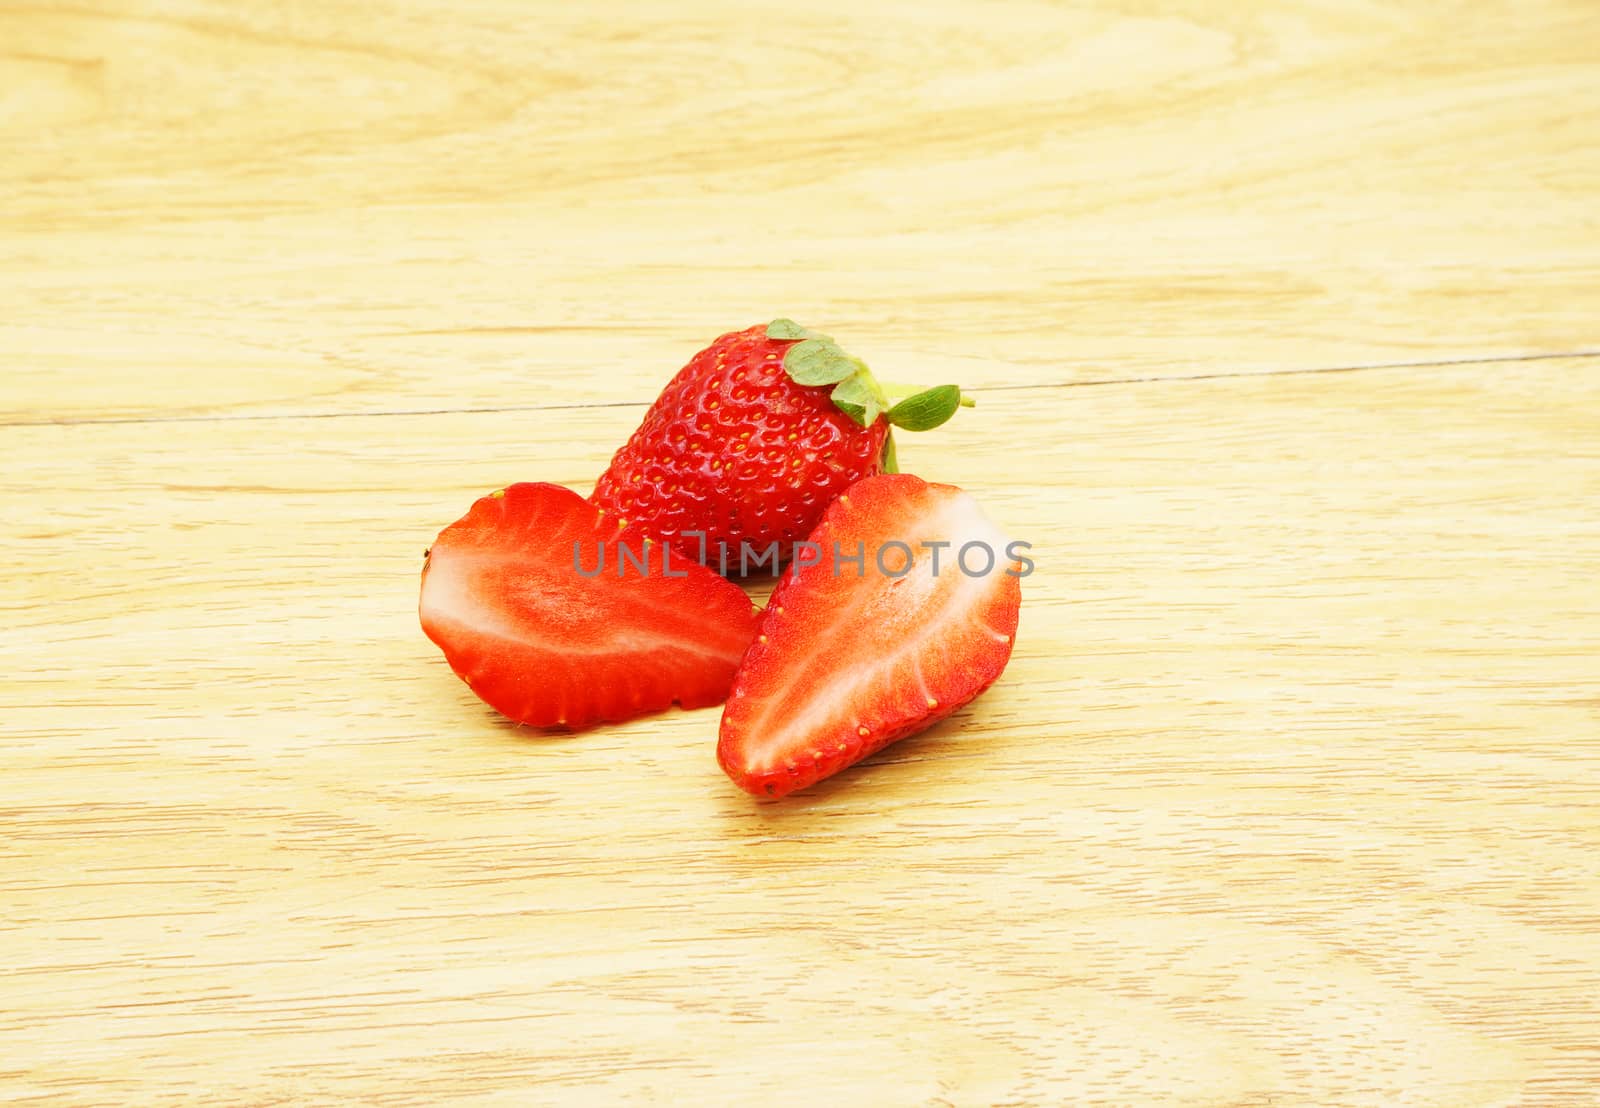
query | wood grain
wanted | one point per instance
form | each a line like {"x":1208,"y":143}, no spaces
{"x":1289,"y":796}
{"x":349,"y":206}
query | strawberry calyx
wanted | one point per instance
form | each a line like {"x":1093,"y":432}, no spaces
{"x":816,"y":359}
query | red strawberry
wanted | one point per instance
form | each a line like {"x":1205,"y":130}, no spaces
{"x":847,"y":662}
{"x":753,"y":439}
{"x":546,"y":644}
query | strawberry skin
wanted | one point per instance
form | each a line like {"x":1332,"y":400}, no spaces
{"x":845,"y":665}
{"x":545,"y":645}
{"x":735,"y":448}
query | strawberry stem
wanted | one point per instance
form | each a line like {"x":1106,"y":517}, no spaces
{"x":895,"y":388}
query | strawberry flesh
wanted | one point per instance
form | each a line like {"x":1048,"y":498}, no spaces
{"x":847,"y":663}
{"x":546,"y":645}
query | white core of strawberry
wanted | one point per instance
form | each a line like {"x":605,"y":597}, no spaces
{"x":915,"y":617}
{"x":562,"y":618}
{"x":448,"y":597}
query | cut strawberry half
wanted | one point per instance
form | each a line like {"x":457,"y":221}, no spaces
{"x":510,"y":593}
{"x":850,"y":659}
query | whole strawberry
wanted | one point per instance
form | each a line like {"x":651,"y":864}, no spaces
{"x":753,"y":439}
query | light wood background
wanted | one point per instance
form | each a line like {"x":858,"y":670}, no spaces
{"x":1284,"y":324}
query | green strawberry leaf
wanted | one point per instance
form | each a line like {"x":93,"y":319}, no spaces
{"x":891,"y":464}
{"x":818,"y":362}
{"x":815,"y":359}
{"x":856,"y":398}
{"x":786,"y":329}
{"x":927,"y":409}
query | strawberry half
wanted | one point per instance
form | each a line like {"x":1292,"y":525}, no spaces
{"x":751,"y":441}
{"x":848,"y":662}
{"x":545,"y":643}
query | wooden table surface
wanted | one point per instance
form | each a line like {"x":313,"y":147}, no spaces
{"x":1284,"y":326}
